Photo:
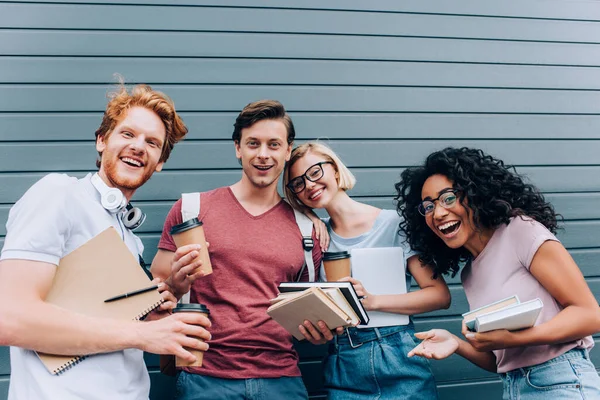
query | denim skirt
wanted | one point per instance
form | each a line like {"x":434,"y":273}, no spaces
{"x":568,"y":376}
{"x":372,"y":364}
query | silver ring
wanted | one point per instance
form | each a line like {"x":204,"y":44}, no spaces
{"x":365,"y":297}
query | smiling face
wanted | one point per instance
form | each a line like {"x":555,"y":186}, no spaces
{"x":320,"y":193}
{"x":131,"y":152}
{"x":263,"y":150}
{"x":453,"y":225}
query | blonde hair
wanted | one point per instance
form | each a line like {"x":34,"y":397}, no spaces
{"x":143,"y":96}
{"x":345,"y":178}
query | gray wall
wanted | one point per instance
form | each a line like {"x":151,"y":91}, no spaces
{"x":386,"y":81}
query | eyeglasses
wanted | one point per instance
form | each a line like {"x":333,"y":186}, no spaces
{"x":446,"y":200}
{"x":313,"y":174}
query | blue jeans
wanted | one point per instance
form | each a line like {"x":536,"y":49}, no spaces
{"x":196,"y":387}
{"x":372,"y":364}
{"x":568,"y":376}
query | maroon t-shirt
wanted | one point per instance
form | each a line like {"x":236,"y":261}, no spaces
{"x":250,"y":256}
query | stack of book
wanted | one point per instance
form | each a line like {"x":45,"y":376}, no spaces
{"x":507,"y":313}
{"x":334,"y":303}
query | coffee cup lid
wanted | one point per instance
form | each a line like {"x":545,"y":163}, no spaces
{"x":335,"y":255}
{"x":189,"y":224}
{"x":191,"y":307}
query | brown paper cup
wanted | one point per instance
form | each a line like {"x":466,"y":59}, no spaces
{"x":199,"y":308}
{"x":192,"y":232}
{"x":337,"y":265}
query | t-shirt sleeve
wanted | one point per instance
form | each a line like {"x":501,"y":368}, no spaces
{"x":527,"y":236}
{"x":173,"y":218}
{"x":39,"y":223}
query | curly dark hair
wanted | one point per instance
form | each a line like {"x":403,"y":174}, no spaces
{"x":493,"y":191}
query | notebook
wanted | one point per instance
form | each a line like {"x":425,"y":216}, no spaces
{"x":381,"y":271}
{"x":101,"y":268}
{"x":312,"y":304}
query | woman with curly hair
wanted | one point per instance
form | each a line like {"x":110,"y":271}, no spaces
{"x":367,"y":362}
{"x":462,"y":205}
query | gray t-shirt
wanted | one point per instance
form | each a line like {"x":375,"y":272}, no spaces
{"x":384,"y":233}
{"x":502,"y":270}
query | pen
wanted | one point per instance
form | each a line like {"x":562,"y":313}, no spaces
{"x":129,"y":294}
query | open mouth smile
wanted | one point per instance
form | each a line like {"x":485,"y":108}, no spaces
{"x":448,"y":229}
{"x":132,"y":162}
{"x":315,"y":195}
{"x":263,"y":167}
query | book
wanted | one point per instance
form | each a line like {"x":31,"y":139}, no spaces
{"x":345,"y":287}
{"x":312,"y":304}
{"x":334,"y":294}
{"x":469,"y":317}
{"x":514,"y":317}
{"x":381,"y":270}
{"x":101,"y":268}
{"x":508,"y":313}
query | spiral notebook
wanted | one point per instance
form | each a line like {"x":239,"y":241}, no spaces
{"x":101,"y":268}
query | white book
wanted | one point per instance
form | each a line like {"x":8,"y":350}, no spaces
{"x":469,"y":317}
{"x":381,"y":271}
{"x":512,"y":318}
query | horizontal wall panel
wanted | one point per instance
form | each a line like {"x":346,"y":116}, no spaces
{"x":580,"y":234}
{"x":471,"y":390}
{"x":586,"y":260}
{"x":16,"y":157}
{"x":573,"y":235}
{"x":4,"y":360}
{"x":301,"y":72}
{"x":457,"y":369}
{"x":161,"y":386}
{"x":207,"y":126}
{"x":569,"y":205}
{"x":313,"y":98}
{"x":201,"y":44}
{"x":64,"y":16}
{"x":448,"y":372}
{"x":4,"y":387}
{"x":156,"y":212}
{"x":169,"y":185}
{"x":584,"y":10}
{"x":312,"y":375}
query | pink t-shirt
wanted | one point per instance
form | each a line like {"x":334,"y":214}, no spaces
{"x":502,"y":270}
{"x":250,"y":256}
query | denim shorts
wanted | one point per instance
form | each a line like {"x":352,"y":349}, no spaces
{"x":568,"y":376}
{"x":372,"y":364}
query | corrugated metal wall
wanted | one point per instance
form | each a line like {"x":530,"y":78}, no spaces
{"x":386,"y":81}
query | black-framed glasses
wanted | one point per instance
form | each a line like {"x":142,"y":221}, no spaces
{"x":313,"y":174}
{"x":446,"y":200}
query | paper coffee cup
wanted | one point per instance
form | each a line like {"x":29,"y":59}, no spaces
{"x":192,"y":232}
{"x":198,"y":308}
{"x":336,"y":264}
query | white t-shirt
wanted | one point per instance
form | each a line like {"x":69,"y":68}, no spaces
{"x":54,"y":217}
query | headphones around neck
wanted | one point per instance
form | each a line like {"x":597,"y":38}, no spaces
{"x":114,"y":201}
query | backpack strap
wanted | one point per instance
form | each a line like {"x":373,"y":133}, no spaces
{"x":190,"y":208}
{"x":306,"y":228}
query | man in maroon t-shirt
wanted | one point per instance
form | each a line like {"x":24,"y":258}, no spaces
{"x":255,"y":244}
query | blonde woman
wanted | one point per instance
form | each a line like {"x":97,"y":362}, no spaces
{"x":369,"y":362}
